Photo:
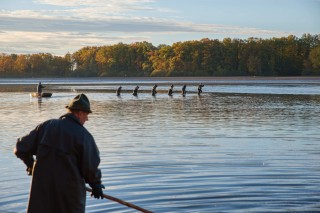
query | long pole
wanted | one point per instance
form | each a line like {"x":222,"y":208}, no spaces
{"x":122,"y":202}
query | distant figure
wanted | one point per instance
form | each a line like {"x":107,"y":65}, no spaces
{"x":135,"y":91}
{"x":200,"y":88}
{"x":119,"y":91}
{"x":183,"y":90}
{"x":170,"y":90}
{"x":39,"y":88}
{"x":154,"y":90}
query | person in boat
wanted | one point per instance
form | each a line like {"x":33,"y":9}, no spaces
{"x":67,"y":157}
{"x":200,"y":88}
{"x":39,"y":88}
{"x":183,"y":90}
{"x":135,"y":91}
{"x":170,"y":92}
{"x":154,"y":90}
{"x":118,"y":91}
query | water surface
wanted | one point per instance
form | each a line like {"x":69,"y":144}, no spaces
{"x":235,"y":148}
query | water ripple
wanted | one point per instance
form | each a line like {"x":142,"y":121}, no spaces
{"x":214,"y":153}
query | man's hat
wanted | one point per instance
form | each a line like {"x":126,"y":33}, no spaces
{"x":80,"y":102}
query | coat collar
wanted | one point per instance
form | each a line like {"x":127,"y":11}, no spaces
{"x":72,"y":117}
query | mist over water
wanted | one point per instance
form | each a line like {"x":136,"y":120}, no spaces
{"x":248,"y":148}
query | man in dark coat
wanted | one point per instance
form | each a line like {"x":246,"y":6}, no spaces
{"x":66,"y":158}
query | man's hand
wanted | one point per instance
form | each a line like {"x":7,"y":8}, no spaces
{"x":29,"y":171}
{"x":97,"y":191}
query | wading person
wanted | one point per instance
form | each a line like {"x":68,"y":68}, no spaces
{"x":200,"y":88}
{"x":154,"y":90}
{"x":39,"y":88}
{"x":183,"y":90}
{"x":118,"y":91}
{"x":135,"y":91}
{"x":67,"y":157}
{"x":170,"y":92}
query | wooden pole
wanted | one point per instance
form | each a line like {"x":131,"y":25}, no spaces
{"x":122,"y":202}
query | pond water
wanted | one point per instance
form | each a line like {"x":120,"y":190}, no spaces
{"x":234,"y":148}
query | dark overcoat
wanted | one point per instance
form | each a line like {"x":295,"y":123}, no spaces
{"x":66,"y":158}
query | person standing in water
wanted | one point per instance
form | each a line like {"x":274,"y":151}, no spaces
{"x":170,"y":92}
{"x":135,"y":91}
{"x":183,"y":90}
{"x":200,"y":88}
{"x":118,"y":91}
{"x":67,"y":158}
{"x":154,"y":90}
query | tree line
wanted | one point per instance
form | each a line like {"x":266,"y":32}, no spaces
{"x":285,"y":56}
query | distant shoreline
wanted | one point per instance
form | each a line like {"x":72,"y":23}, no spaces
{"x":29,"y":84}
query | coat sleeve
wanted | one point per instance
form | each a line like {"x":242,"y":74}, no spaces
{"x":90,"y":161}
{"x":26,"y":147}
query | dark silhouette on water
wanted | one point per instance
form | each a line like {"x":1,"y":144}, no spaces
{"x":39,"y":88}
{"x":135,"y":91}
{"x":154,"y":90}
{"x":39,"y":92}
{"x":183,"y":90}
{"x":170,"y":92}
{"x":118,"y":91}
{"x":200,"y":88}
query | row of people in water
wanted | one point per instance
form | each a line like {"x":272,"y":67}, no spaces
{"x":154,"y":90}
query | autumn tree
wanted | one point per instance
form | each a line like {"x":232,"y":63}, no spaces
{"x":285,"y":56}
{"x":85,"y":63}
{"x":161,"y":61}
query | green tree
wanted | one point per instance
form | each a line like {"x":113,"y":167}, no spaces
{"x":315,"y":57}
{"x":230,"y":53}
{"x":212,"y":56}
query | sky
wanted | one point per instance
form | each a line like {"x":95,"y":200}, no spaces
{"x":65,"y":26}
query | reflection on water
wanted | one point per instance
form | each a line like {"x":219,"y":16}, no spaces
{"x":227,"y":152}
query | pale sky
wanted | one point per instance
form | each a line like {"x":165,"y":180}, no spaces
{"x":62,"y":26}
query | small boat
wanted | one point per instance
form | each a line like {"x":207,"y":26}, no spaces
{"x":41,"y":95}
